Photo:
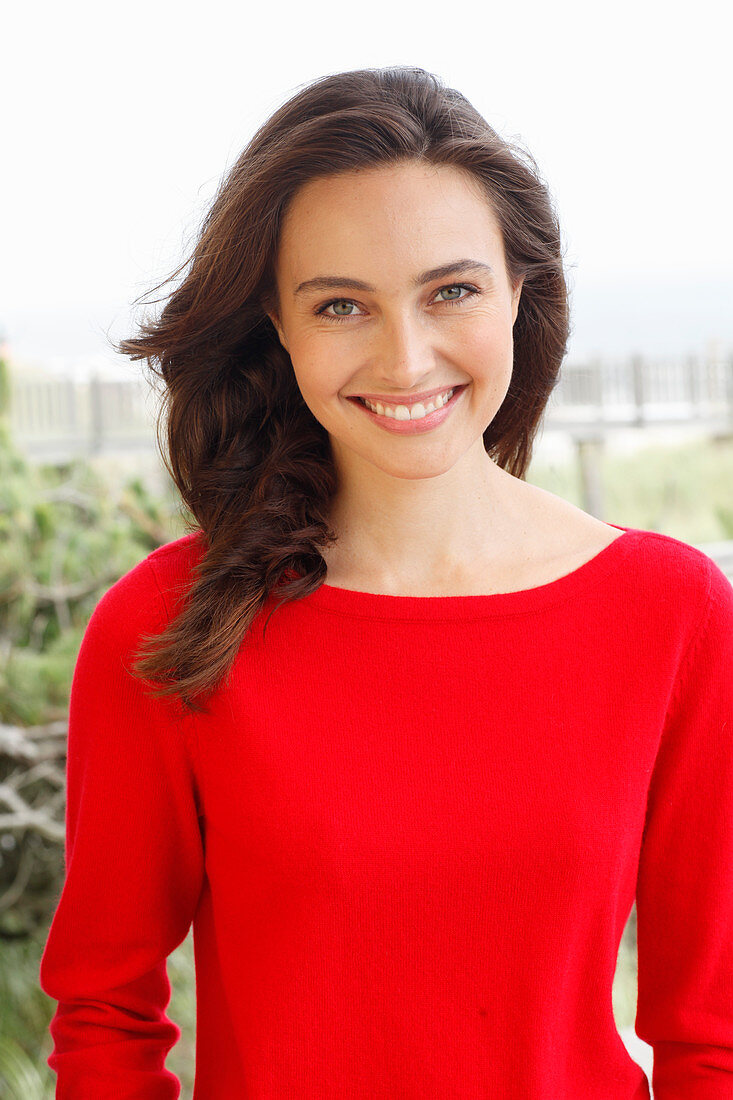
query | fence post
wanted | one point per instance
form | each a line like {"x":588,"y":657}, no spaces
{"x":693,"y":382}
{"x":96,"y":424}
{"x":596,"y":387}
{"x":70,"y":392}
{"x":637,"y":377}
{"x":589,"y":449}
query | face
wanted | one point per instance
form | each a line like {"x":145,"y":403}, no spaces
{"x":384,"y":323}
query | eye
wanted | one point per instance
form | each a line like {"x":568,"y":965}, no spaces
{"x":456,"y":286}
{"x":471,"y":291}
{"x":336,"y":302}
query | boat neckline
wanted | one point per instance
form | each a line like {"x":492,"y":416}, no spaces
{"x":387,"y":605}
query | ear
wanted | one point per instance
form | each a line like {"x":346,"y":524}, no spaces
{"x":516,"y":295}
{"x":274,"y":318}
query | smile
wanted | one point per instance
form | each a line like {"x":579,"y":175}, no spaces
{"x":409,"y":419}
{"x":410,"y":412}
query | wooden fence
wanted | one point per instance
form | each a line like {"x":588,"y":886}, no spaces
{"x":640,"y":392}
{"x":54,"y":418}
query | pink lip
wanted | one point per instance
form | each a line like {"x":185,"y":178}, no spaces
{"x":413,"y":427}
{"x":405,"y":399}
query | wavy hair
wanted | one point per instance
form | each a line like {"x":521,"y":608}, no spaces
{"x":251,"y":462}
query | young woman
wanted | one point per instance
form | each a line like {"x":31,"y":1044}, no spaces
{"x":410,"y":735}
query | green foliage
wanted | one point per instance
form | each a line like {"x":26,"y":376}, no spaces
{"x":64,"y":540}
{"x":24,"y":1018}
{"x":20,"y":1079}
{"x":182,"y":1009}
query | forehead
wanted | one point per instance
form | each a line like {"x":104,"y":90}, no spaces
{"x":407,"y":216}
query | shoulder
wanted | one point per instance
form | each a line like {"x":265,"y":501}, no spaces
{"x":680,"y":579}
{"x":146,"y":596}
{"x":674,"y":561}
{"x":173,"y":565}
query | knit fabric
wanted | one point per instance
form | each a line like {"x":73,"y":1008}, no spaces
{"x":409,"y":834}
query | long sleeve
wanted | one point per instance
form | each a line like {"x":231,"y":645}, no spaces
{"x":133,"y":862}
{"x":684,"y":893}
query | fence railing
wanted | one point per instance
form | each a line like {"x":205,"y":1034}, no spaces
{"x":60,"y":416}
{"x":640,"y":392}
{"x":54,"y":416}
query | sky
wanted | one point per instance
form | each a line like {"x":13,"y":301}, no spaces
{"x":121,"y":120}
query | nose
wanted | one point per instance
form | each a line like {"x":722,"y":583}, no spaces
{"x":406,"y":355}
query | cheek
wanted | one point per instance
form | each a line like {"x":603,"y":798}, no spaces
{"x":318,"y":363}
{"x":319,"y":385}
{"x":311,"y":370}
{"x":486,"y":347}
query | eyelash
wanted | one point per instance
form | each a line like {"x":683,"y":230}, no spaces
{"x":473,"y":291}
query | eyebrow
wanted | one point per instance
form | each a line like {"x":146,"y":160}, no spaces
{"x":337,"y":282}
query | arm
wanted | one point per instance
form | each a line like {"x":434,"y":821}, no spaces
{"x":134,"y":863}
{"x":684,"y":894}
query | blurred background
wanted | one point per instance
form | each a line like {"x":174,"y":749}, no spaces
{"x":120,"y":122}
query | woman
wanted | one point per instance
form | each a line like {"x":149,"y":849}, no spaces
{"x":408,"y":813}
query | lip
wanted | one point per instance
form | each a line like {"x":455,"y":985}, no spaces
{"x":413,"y":427}
{"x":407,"y":399}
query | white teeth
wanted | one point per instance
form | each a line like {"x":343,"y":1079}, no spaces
{"x":409,"y":412}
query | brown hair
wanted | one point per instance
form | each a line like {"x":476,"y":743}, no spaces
{"x":250,"y":460}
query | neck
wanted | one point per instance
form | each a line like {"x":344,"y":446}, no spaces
{"x":393,"y":528}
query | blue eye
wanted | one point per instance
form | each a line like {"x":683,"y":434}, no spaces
{"x":472,"y":291}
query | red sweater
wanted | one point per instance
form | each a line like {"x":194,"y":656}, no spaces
{"x":409,"y":835}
